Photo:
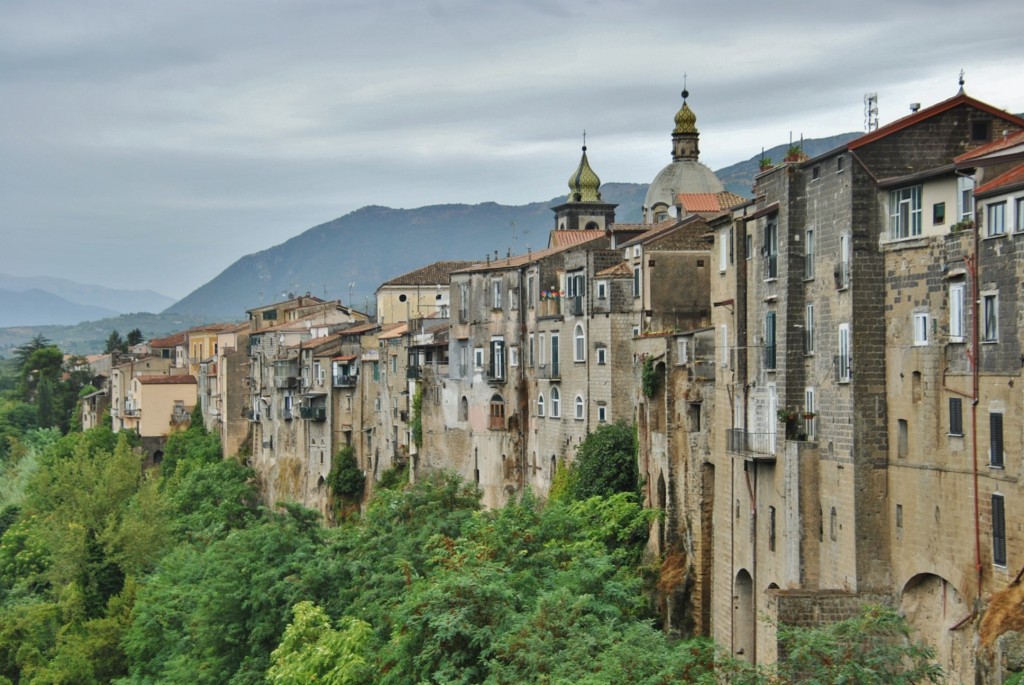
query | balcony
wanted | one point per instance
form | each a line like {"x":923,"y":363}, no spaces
{"x":287,"y":414}
{"x":250,"y":414}
{"x":548,"y":308}
{"x":132,"y":413}
{"x":286,"y":383}
{"x":576,"y":305}
{"x":345,"y":381}
{"x":753,"y":446}
{"x":496,"y":423}
{"x":414,"y":373}
{"x":403,"y":416}
{"x":549,"y":371}
{"x":313,"y":413}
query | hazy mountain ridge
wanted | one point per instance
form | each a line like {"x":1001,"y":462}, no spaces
{"x":37,"y":307}
{"x":113,"y":300}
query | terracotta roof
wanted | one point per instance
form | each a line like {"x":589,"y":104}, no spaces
{"x":211,"y":328}
{"x":169,"y":341}
{"x":359,"y":328}
{"x":167,"y":380}
{"x":395,"y":330}
{"x":1016,"y":138}
{"x":664,"y":229}
{"x":960,"y":98}
{"x":345,"y":358}
{"x":620,"y":269}
{"x":573,"y":237}
{"x":301,"y":299}
{"x":438,"y":273}
{"x":1012,"y":179}
{"x":709,"y":202}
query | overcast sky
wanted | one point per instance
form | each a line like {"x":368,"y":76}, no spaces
{"x":151,"y":144}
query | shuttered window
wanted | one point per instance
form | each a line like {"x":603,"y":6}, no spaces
{"x":956,"y":416}
{"x":998,"y":531}
{"x":995,"y":440}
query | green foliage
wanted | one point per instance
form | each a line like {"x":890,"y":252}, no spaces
{"x":311,"y":650}
{"x":196,"y":445}
{"x":649,"y":378}
{"x":346,"y":481}
{"x":605,"y":463}
{"x":115,"y":344}
{"x":416,"y":424}
{"x":134,"y":337}
{"x":395,"y":477}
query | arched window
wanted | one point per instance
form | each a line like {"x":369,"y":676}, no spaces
{"x":579,"y":344}
{"x":540,"y":405}
{"x":497,"y":412}
{"x":578,"y":408}
{"x":463,"y":409}
{"x":556,"y":403}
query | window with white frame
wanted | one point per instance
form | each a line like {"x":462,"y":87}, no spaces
{"x":769,"y":341}
{"x":540,"y":404}
{"x":998,"y":530}
{"x":724,"y":346}
{"x":843,"y":268}
{"x":496,"y":294}
{"x":809,"y":328}
{"x":602,"y":413}
{"x":1018,"y":215}
{"x":843,"y":360}
{"x":530,"y":297}
{"x":579,"y":407}
{"x":636,"y":250}
{"x":905,"y":213}
{"x":579,"y":347}
{"x":530,"y":356}
{"x":541,"y":350}
{"x":957,"y":293}
{"x":995,"y":219}
{"x":810,"y":413}
{"x":682,"y":350}
{"x":921,"y":322}
{"x":478,"y":357}
{"x":964,"y":198}
{"x":723,"y":251}
{"x":463,"y":301}
{"x":995,"y":440}
{"x":636,"y":281}
{"x":602,"y":356}
{"x":556,"y":403}
{"x":771,"y":248}
{"x":809,"y":253}
{"x":990,"y":317}
{"x":513,"y":356}
{"x":602,"y":290}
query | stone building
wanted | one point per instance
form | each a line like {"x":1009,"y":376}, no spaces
{"x":837,"y":478}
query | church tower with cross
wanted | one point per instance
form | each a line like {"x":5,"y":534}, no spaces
{"x":584,"y":210}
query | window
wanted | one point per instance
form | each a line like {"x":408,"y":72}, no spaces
{"x":497,"y":369}
{"x":939,"y":213}
{"x":541,"y":349}
{"x":463,"y":301}
{"x":990,"y":317}
{"x":578,"y":408}
{"x":530,"y":349}
{"x":956,"y":416}
{"x":724,"y":344}
{"x":995,"y":218}
{"x":809,"y":254}
{"x":540,"y":405}
{"x":1018,"y":222}
{"x":496,"y":294}
{"x":810,"y":413}
{"x":530,"y":297}
{"x":921,"y":320}
{"x":809,"y":329}
{"x":602,"y":413}
{"x":394,"y":364}
{"x":995,"y":440}
{"x":376,"y":372}
{"x":497,"y":421}
{"x":723,"y":251}
{"x":602,"y":355}
{"x":840,"y":164}
{"x":843,"y":268}
{"x":602,"y":290}
{"x":636,"y":250}
{"x":769,"y":341}
{"x":981,"y":131}
{"x":478,"y":357}
{"x":843,"y":361}
{"x":905,"y":213}
{"x":956,"y":312}
{"x":554,"y":355}
{"x":816,"y":173}
{"x":318,"y":372}
{"x":964,"y":198}
{"x":636,"y":281}
{"x":771,"y":248}
{"x":556,"y":403}
{"x":579,"y":348}
{"x":902,"y":438}
{"x":998,"y":530}
{"x":463,"y":409}
{"x":748,"y":245}
{"x":771,"y":529}
{"x":682,"y":351}
{"x":899,"y":515}
{"x":513,"y":356}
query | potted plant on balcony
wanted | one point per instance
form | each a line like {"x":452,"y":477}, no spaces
{"x":765,"y":163}
{"x":787,"y":414}
{"x":808,"y":415}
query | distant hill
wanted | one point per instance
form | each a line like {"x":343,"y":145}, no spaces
{"x":36,"y":307}
{"x":114,"y":300}
{"x":374,"y":244}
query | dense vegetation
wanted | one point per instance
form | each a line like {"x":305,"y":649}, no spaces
{"x":109,"y":573}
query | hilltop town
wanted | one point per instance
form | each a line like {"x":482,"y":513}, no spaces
{"x":823,"y":379}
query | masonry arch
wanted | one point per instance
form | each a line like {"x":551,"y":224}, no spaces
{"x":932,"y":606}
{"x":743,"y":616}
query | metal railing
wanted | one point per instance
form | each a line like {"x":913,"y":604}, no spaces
{"x":755,"y":445}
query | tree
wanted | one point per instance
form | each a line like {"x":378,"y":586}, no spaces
{"x":605,"y":463}
{"x":311,"y":650}
{"x":346,"y":481}
{"x":134,"y":337}
{"x":115,"y":344}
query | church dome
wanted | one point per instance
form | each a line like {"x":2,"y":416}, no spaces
{"x":685,"y":174}
{"x":584,"y":185}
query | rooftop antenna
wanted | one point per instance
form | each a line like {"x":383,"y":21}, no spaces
{"x":870,"y":112}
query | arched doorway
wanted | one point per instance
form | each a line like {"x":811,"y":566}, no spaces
{"x":743,"y":616}
{"x":932,"y":605}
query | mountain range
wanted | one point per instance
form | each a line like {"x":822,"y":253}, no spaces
{"x":346,"y":259}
